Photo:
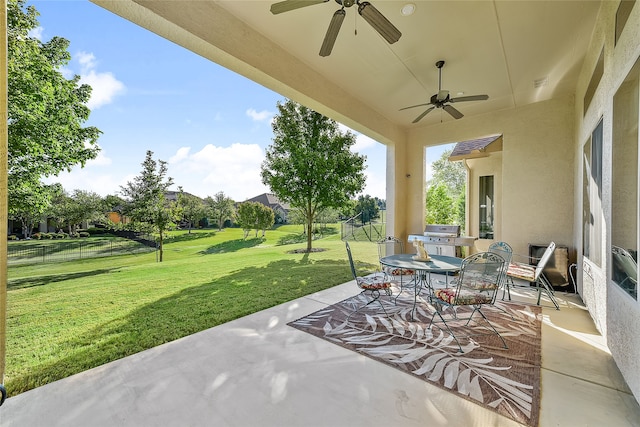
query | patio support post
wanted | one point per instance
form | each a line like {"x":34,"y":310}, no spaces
{"x":4,"y":216}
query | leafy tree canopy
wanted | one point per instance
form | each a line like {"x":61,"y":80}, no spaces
{"x":446,"y":192}
{"x":368,"y":207}
{"x":190,"y":208}
{"x":221,"y":208}
{"x":254,"y":215}
{"x":46,"y":111}
{"x":309,"y":165}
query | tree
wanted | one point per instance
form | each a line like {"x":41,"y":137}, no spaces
{"x":254,"y":215}
{"x":367,"y":206}
{"x":451,"y":176}
{"x":265,"y":218}
{"x":192,"y":209}
{"x":309,"y":165}
{"x":246,"y":216}
{"x":440,"y":207}
{"x":46,"y":111}
{"x":145,"y":196}
{"x":221,"y":208}
{"x":31,"y":201}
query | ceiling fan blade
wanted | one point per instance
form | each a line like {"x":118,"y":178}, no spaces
{"x":379,"y":23}
{"x":417,"y":119}
{"x":332,"y":32}
{"x":414,"y":106}
{"x":287,"y":5}
{"x":454,"y":113}
{"x":470,"y":98}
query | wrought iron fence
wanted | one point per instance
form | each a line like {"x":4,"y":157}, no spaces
{"x":34,"y":252}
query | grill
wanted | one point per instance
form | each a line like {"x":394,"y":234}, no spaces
{"x":440,"y":239}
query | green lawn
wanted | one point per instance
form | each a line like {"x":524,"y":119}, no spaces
{"x":68,"y":317}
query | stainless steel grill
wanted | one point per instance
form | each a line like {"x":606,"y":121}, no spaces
{"x":441,"y":239}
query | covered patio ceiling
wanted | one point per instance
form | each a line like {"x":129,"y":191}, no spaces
{"x":517,"y":52}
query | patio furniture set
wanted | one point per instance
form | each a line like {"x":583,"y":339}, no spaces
{"x":473,"y":282}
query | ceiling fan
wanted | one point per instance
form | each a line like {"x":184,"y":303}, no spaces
{"x":442,"y":99}
{"x":370,"y":14}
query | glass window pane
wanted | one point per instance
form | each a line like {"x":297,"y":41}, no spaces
{"x":624,"y":181}
{"x":486,"y":207}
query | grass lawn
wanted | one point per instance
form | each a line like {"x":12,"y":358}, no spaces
{"x":68,"y":317}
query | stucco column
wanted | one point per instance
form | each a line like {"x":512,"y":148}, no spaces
{"x":3,"y":187}
{"x":405,"y":189}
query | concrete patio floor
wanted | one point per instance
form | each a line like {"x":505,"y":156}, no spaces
{"x":257,"y":371}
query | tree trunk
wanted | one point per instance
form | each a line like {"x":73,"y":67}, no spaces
{"x":160,"y":247}
{"x":309,"y":235}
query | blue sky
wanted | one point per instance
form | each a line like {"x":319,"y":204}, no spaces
{"x":210,"y":124}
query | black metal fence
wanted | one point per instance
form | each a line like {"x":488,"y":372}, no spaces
{"x":354,"y":229}
{"x":34,"y":252}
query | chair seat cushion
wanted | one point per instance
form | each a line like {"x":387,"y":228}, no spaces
{"x":521,"y":271}
{"x":465,"y":297}
{"x":373,"y":282}
{"x":399,"y":271}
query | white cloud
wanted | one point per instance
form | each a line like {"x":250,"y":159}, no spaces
{"x":36,"y":33}
{"x":234,"y":170}
{"x":259,"y":116}
{"x":100,"y":160}
{"x":87,"y":61}
{"x":362,"y":143}
{"x":87,"y":179}
{"x":105,"y":86}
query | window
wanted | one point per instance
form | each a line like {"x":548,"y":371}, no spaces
{"x":592,"y":197}
{"x":622,"y":15}
{"x":486,"y":207}
{"x":594,"y":81}
{"x":624,"y":181}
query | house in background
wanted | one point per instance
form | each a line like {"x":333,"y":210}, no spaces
{"x":280,"y":208}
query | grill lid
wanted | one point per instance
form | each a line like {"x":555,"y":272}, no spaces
{"x":442,"y":230}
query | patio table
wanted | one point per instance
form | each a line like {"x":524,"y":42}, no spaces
{"x":440,"y":264}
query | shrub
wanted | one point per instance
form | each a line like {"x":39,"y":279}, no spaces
{"x":47,"y":236}
{"x":36,"y":236}
{"x":62,"y":235}
{"x":13,"y":237}
{"x":84,"y":234}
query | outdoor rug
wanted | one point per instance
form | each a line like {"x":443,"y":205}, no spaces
{"x":504,"y":380}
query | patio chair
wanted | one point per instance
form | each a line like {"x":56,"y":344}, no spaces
{"x":506,"y":252}
{"x":372,"y":285}
{"x":477,"y":285}
{"x":391,"y":245}
{"x":533,"y":274}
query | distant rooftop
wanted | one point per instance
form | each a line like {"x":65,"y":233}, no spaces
{"x":475,"y":148}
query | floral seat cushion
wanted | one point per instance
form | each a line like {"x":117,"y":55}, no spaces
{"x":374,"y":282}
{"x":465,"y":297}
{"x":394,"y":271}
{"x":521,"y":271}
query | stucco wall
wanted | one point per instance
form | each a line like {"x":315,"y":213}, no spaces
{"x":615,"y":313}
{"x":486,"y":166}
{"x":537,"y":149}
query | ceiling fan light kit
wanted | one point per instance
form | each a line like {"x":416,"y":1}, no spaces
{"x":442,"y":100}
{"x":368,"y":12}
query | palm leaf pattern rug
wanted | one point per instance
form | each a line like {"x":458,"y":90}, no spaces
{"x":504,"y":380}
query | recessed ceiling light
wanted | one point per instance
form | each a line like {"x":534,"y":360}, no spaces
{"x":408,"y":9}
